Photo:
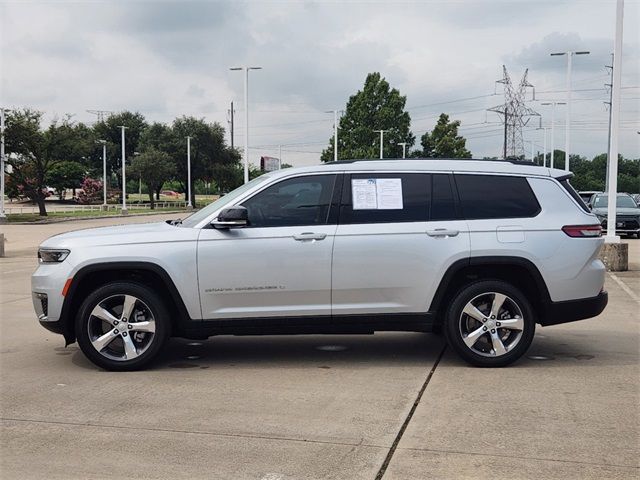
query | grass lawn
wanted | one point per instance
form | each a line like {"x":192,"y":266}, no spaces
{"x":34,"y":217}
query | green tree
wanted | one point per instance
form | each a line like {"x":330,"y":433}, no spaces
{"x":376,"y":107}
{"x":32,"y":152}
{"x":64,"y":175}
{"x":160,"y":137}
{"x":444,"y":141}
{"x":209,"y":153}
{"x":154,"y":168}
{"x":110,"y":131}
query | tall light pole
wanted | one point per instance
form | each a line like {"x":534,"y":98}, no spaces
{"x":612,"y":190}
{"x":553,"y":122}
{"x":124,"y":177}
{"x":544,"y":143}
{"x":381,"y":141}
{"x":189,"y":172}
{"x":404,"y":149}
{"x":3,"y":216}
{"x":246,"y":117}
{"x":104,"y":171}
{"x":569,"y":55}
{"x":335,"y":134}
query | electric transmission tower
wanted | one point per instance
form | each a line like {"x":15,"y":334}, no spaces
{"x":100,"y":114}
{"x":515,"y":113}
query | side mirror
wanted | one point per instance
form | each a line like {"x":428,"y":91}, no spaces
{"x":232,"y":217}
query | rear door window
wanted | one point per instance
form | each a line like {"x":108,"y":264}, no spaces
{"x":496,"y":196}
{"x":385,"y":198}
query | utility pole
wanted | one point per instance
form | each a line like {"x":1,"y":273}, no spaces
{"x":104,"y":171}
{"x":279,"y":157}
{"x":610,"y":102}
{"x":544,"y":143}
{"x":335,"y":133}
{"x":381,"y":141}
{"x":189,"y":205}
{"x":553,"y":122}
{"x":612,"y":191}
{"x":404,"y":149}
{"x":569,"y":55}
{"x":3,"y":216}
{"x":246,"y":117}
{"x":124,"y":178}
{"x":231,"y":113}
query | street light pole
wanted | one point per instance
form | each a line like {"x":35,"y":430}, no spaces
{"x":612,"y":190}
{"x":381,"y":141}
{"x":246,"y":117}
{"x":569,"y":55}
{"x":104,"y":171}
{"x":335,"y":135}
{"x":124,"y":177}
{"x":404,"y":149}
{"x":553,"y":122}
{"x":3,"y":216}
{"x":189,"y":172}
{"x":544,"y":144}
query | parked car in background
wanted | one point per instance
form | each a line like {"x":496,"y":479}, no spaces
{"x":627,"y":213}
{"x":169,"y":193}
{"x":587,"y":195}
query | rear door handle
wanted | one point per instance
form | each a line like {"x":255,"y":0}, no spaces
{"x":442,"y":232}
{"x":305,"y":236}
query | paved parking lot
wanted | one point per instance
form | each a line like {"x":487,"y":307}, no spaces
{"x":390,"y":405}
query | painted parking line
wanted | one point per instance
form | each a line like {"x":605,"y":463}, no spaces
{"x":625,"y":287}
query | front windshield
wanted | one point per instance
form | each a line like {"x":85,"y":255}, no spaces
{"x":623,"y":201}
{"x":197,"y":217}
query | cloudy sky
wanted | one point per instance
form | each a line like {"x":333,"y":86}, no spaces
{"x":166,"y":59}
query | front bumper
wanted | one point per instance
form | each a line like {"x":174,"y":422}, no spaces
{"x":573,"y":310}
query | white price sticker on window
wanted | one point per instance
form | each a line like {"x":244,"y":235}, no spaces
{"x":376,"y":193}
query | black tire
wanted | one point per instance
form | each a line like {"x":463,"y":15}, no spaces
{"x":485,"y":332}
{"x":143,"y":345}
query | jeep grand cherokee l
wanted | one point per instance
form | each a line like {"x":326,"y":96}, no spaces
{"x":482,"y":250}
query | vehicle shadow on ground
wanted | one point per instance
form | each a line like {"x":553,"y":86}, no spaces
{"x":319,"y":351}
{"x":571,"y":349}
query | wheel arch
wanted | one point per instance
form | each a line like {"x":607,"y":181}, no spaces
{"x":95,"y":275}
{"x":518,"y":271}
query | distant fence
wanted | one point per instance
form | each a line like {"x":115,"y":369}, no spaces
{"x":24,"y":209}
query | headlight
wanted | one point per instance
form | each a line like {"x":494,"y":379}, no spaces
{"x":51,"y":255}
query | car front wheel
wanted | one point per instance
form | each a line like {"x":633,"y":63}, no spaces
{"x":490,"y":323}
{"x":122,"y":326}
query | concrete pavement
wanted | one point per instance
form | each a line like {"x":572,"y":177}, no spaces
{"x":308,"y":407}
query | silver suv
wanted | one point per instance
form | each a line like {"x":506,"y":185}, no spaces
{"x":481,"y":250}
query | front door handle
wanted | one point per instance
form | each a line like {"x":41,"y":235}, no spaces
{"x":442,"y":232}
{"x":305,"y":236}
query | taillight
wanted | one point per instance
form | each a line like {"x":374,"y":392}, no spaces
{"x":583,"y":231}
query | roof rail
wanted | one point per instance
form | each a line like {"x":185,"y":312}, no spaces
{"x":508,"y":160}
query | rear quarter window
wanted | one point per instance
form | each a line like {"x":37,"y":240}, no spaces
{"x":496,"y":196}
{"x":572,"y":192}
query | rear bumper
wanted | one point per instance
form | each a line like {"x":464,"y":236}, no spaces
{"x":573,"y":310}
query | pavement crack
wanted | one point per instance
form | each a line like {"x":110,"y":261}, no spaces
{"x":405,"y":424}
{"x":189,"y":432}
{"x":521,"y":457}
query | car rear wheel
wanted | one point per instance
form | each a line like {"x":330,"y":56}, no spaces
{"x":490,"y":323}
{"x":122,"y":326}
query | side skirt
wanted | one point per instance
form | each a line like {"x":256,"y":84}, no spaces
{"x":305,"y":325}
